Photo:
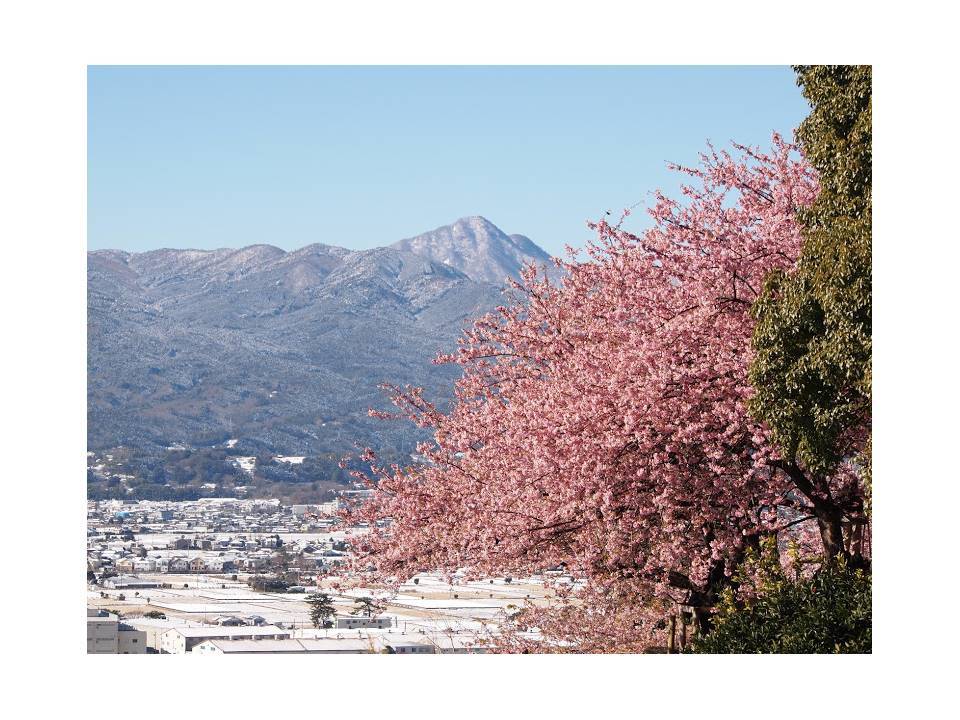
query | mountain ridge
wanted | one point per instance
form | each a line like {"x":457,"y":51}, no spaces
{"x":283,"y":348}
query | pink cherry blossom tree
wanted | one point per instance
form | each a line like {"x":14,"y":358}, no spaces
{"x":600,"y":423}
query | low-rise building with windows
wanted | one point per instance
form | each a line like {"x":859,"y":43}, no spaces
{"x":110,"y":636}
{"x":358,"y":622}
{"x":177,"y":641}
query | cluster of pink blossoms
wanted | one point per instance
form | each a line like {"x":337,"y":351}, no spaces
{"x":600,"y":422}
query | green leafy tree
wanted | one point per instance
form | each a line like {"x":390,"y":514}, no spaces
{"x":813,"y":338}
{"x":367,"y":607}
{"x":321,"y":609}
{"x":784,"y":612}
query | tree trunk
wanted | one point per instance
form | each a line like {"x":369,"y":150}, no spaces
{"x":702,"y":620}
{"x":829,"y":515}
{"x":671,"y":632}
{"x":829,"y":522}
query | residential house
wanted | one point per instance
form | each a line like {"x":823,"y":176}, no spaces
{"x":178,"y":565}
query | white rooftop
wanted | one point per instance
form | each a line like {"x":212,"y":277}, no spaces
{"x":347,"y":645}
{"x":220,"y":631}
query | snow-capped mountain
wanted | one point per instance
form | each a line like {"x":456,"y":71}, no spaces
{"x":285,"y":349}
{"x":477,"y":248}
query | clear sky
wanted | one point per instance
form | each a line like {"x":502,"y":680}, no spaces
{"x":205,"y":157}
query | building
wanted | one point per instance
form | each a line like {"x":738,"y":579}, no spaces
{"x":177,"y":641}
{"x":120,"y":582}
{"x":406,"y":644}
{"x":230,"y":621}
{"x":144,"y":565}
{"x":109,"y":636}
{"x":357,"y":622}
{"x":178,"y":565}
{"x":154,"y":628}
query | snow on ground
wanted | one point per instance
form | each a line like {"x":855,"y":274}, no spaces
{"x":359,"y":592}
{"x":292,"y":459}
{"x":426,"y":608}
{"x":231,"y":442}
{"x":450,"y":603}
{"x":245,"y":463}
{"x":230,"y":594}
{"x":205,"y":608}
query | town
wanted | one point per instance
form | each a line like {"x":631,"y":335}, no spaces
{"x":226,"y":575}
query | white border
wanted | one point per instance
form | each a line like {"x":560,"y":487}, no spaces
{"x":47,"y":46}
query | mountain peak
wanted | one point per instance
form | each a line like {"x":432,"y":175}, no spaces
{"x":477,"y":248}
{"x":475,"y":221}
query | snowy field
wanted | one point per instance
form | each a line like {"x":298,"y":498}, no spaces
{"x":428,"y":607}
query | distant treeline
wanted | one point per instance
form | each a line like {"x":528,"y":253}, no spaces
{"x":181,"y":474}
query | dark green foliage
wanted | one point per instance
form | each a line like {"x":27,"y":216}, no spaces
{"x":265,"y":583}
{"x":830,"y":612}
{"x":179,"y":474}
{"x":813,"y":338}
{"x":367,"y":607}
{"x":321,"y":608}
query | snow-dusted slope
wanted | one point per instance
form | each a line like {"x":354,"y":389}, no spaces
{"x":286,"y":348}
{"x":477,"y":248}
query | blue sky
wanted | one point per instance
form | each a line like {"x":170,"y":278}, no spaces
{"x":206,"y":157}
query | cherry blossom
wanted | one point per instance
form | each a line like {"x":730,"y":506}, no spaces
{"x":600,"y":422}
